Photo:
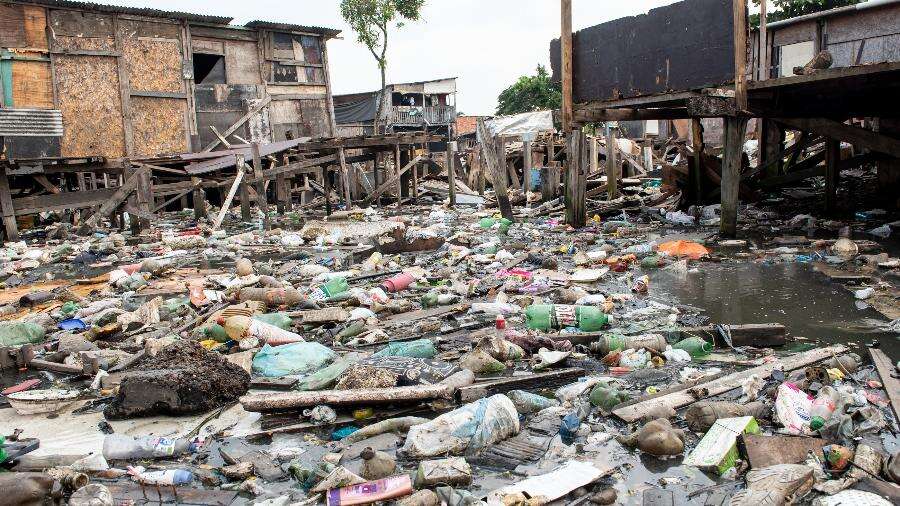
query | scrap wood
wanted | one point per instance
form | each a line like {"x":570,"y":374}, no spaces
{"x":886,"y":371}
{"x":362,"y":396}
{"x":680,"y":399}
{"x":133,"y":493}
{"x":237,"y":124}
{"x":118,"y":197}
{"x":392,"y":181}
{"x":764,"y":451}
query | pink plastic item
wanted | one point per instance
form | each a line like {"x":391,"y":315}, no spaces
{"x":397,"y":283}
{"x":372,"y":491}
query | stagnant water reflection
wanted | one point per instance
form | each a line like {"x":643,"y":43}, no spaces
{"x":806,"y":302}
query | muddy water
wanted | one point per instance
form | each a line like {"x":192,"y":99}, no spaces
{"x":806,"y":302}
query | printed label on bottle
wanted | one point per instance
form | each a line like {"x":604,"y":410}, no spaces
{"x":164,"y":447}
{"x":565,"y":316}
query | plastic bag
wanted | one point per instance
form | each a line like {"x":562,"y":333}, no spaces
{"x":469,"y":428}
{"x":325,"y":377}
{"x":19,"y":333}
{"x":296,"y":358}
{"x":421,"y":348}
{"x":792,"y":408}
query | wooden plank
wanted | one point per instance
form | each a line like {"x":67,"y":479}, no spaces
{"x":451,"y":174}
{"x":719,"y":386}
{"x":764,"y":451}
{"x":61,"y":201}
{"x":261,"y":201}
{"x":228,"y":198}
{"x":832,"y":173}
{"x":886,"y":370}
{"x":7,"y":207}
{"x":240,"y":122}
{"x":740,"y":53}
{"x":839,"y":131}
{"x":566,"y":61}
{"x":612,"y":164}
{"x":752,"y":334}
{"x":495,"y":166}
{"x":345,"y":177}
{"x":731,"y":174}
{"x":298,"y":167}
{"x":133,"y":493}
{"x":696,"y":181}
{"x":576,"y":212}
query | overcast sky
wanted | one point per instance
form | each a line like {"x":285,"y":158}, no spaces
{"x":487,"y":44}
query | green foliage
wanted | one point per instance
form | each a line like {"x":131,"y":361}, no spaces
{"x":786,"y":9}
{"x":371,"y":19}
{"x":530,"y":93}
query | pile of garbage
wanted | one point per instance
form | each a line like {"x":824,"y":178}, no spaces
{"x":444,"y":356}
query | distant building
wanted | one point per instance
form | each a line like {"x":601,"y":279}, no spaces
{"x":424,"y":105}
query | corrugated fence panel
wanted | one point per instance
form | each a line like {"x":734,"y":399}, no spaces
{"x":30,"y":123}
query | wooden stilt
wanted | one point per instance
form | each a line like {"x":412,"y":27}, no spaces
{"x":397,"y":166}
{"x":490,"y":159}
{"x":771,"y":146}
{"x":695,"y":188}
{"x":326,"y":184}
{"x":377,"y":173}
{"x":735,"y":128}
{"x":612,"y":163}
{"x":281,"y":191}
{"x":9,"y":214}
{"x":576,"y":179}
{"x":527,"y":163}
{"x":451,"y":172}
{"x":832,"y":173}
{"x":260,"y":185}
{"x":199,"y":197}
{"x":345,"y":178}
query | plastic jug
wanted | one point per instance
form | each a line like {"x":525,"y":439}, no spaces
{"x":558,"y":316}
{"x":695,"y":346}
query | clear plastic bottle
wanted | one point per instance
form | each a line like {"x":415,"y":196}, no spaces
{"x":823,"y":407}
{"x":122,"y":447}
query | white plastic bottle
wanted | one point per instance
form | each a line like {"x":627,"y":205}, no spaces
{"x":122,"y":447}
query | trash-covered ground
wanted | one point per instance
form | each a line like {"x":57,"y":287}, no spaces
{"x":446,"y":356}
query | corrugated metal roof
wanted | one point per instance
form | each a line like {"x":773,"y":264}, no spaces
{"x":137,"y":11}
{"x":30,"y":123}
{"x":270,"y":25}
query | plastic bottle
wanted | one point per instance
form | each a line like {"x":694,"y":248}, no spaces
{"x":487,"y":222}
{"x":377,"y":464}
{"x":615,"y":342}
{"x":331,"y":288}
{"x":559,"y":316}
{"x":823,"y":407}
{"x":397,"y":283}
{"x":168,"y":477}
{"x":122,"y":447}
{"x":241,"y":327}
{"x":500,"y":327}
{"x":695,"y":346}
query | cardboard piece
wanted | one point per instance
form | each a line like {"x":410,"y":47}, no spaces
{"x":717,"y":452}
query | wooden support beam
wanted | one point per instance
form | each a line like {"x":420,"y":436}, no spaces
{"x":261,"y":200}
{"x":612,"y":162}
{"x":282,"y":196}
{"x":490,"y":158}
{"x":393,"y":180}
{"x":885,"y":369}
{"x":832,"y":173}
{"x":239,"y":123}
{"x":735,"y":128}
{"x":576,"y":179}
{"x":527,"y":163}
{"x":244,"y":188}
{"x":6,"y":203}
{"x":740,"y":53}
{"x":397,"y":166}
{"x":589,"y":115}
{"x":763,"y":71}
{"x":326,"y":185}
{"x":228,"y":198}
{"x":696,"y":181}
{"x":771,"y":146}
{"x":121,"y":193}
{"x":451,"y":172}
{"x":199,"y":197}
{"x":854,"y":135}
{"x":566,"y":61}
{"x":345,"y":177}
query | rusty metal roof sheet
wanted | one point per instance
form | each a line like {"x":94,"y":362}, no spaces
{"x":138,"y":11}
{"x":271,"y":25}
{"x":30,"y":123}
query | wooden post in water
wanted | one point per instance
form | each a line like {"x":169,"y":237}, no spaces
{"x":740,"y":53}
{"x":612,"y":162}
{"x":261,"y":201}
{"x":565,"y":39}
{"x":695,"y":186}
{"x":735,"y":128}
{"x":246,"y":216}
{"x":576,"y":179}
{"x":491,"y":162}
{"x":832,"y":173}
{"x":451,"y":171}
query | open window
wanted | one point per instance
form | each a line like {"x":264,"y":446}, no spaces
{"x":209,"y":68}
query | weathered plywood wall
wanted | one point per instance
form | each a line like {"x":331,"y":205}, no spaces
{"x":32,"y":85}
{"x":158,"y":125}
{"x":88,"y":90}
{"x":678,"y":47}
{"x":35,"y":26}
{"x":12,"y":26}
{"x":241,"y":63}
{"x":73,"y":30}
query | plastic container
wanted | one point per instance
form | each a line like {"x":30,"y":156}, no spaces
{"x":823,"y":407}
{"x":168,"y":477}
{"x":615,"y":342}
{"x":558,"y":316}
{"x":122,"y":447}
{"x":332,"y":288}
{"x":695,"y":346}
{"x":241,"y":327}
{"x":398,"y":283}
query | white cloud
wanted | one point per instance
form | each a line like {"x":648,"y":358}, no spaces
{"x":487,"y":44}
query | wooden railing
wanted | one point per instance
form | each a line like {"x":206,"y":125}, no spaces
{"x":417,"y":115}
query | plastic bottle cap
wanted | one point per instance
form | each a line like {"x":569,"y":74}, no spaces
{"x":816,"y":423}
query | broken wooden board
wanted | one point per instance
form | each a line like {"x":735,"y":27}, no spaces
{"x":132,"y":493}
{"x":118,"y":197}
{"x":885,"y":367}
{"x":501,"y":386}
{"x":719,"y":386}
{"x":763,"y":451}
{"x":840,"y":276}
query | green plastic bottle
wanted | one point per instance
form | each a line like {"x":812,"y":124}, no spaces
{"x":607,"y":396}
{"x":504,"y":225}
{"x":558,"y":316}
{"x":487,"y":222}
{"x":430,"y":299}
{"x":332,"y":288}
{"x":695,"y":346}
